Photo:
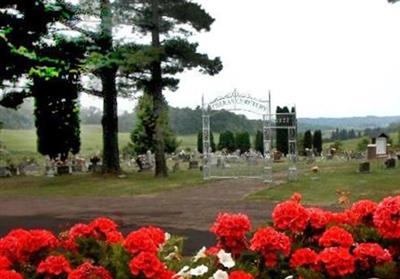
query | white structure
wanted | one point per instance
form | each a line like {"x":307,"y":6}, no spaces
{"x":248,"y":165}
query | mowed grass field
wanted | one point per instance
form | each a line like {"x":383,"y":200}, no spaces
{"x":321,"y":188}
{"x":23,"y":142}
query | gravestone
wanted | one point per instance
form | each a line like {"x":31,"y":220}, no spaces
{"x":364,"y":167}
{"x":5,"y":172}
{"x":390,"y":163}
{"x":193,"y":164}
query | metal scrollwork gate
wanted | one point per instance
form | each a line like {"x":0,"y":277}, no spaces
{"x":251,"y":164}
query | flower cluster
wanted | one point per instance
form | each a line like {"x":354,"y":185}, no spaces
{"x":291,"y":215}
{"x":270,"y":244}
{"x":231,"y":230}
{"x":387,"y":217}
{"x":302,"y":243}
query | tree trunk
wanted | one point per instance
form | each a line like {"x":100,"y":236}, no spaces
{"x":108,"y":79}
{"x":158,"y":100}
{"x":110,"y":123}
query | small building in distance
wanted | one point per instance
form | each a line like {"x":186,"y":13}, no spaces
{"x":379,"y":147}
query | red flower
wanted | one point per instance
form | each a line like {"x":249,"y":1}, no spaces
{"x":54,"y":265}
{"x":387,"y":217}
{"x":231,"y":230}
{"x":338,"y":218}
{"x":318,"y":218}
{"x":147,"y":264}
{"x":144,"y":240}
{"x":336,"y":236}
{"x":337,"y":261}
{"x":20,"y":245}
{"x":10,"y":275}
{"x":42,"y":239}
{"x":79,"y":231}
{"x":290,"y":215}
{"x":240,"y":275}
{"x":270,"y":243}
{"x":371,"y":254}
{"x":89,"y":271}
{"x":304,"y":257}
{"x":5,"y":264}
{"x":362,"y":212}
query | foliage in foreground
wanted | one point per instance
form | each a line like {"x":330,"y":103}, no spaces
{"x":360,"y":242}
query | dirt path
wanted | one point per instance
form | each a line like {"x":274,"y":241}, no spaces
{"x":188,"y":211}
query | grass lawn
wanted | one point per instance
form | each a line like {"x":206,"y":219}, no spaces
{"x":320,"y":189}
{"x":91,"y":185}
{"x":23,"y":142}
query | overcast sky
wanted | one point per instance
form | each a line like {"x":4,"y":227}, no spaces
{"x":331,"y":57}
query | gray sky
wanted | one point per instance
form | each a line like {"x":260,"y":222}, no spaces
{"x":331,"y":57}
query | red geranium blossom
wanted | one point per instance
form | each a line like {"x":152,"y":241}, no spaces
{"x":337,"y":261}
{"x":304,"y":257}
{"x":147,"y":264}
{"x":5,"y":264}
{"x":371,"y":254}
{"x":270,"y":243}
{"x":144,"y":240}
{"x":240,"y":275}
{"x":318,"y":218}
{"x":336,"y":236}
{"x":362,"y":212}
{"x":19,"y":245}
{"x":89,"y":271}
{"x":10,"y":275}
{"x":387,"y":217}
{"x":54,"y":265}
{"x":231,"y":230}
{"x":339,"y":218}
{"x":290,"y":215}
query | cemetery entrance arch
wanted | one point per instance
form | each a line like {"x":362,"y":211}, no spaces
{"x":250,"y":164}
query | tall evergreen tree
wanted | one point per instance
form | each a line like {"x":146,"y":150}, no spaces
{"x":317,"y":141}
{"x":242,"y":141}
{"x":227,"y":141}
{"x":282,"y":135}
{"x":142,"y":136}
{"x":52,"y":70}
{"x":259,"y":142}
{"x":308,"y":140}
{"x":170,"y":52}
{"x":200,"y":142}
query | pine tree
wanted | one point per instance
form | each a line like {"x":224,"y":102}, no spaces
{"x":175,"y":53}
{"x":142,"y":137}
{"x":317,"y":142}
{"x":259,"y":142}
{"x":200,"y":142}
{"x":227,"y":141}
{"x":242,"y":141}
{"x":282,"y":135}
{"x":308,"y":140}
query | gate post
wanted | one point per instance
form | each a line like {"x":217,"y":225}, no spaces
{"x":206,"y":141}
{"x":292,"y":143}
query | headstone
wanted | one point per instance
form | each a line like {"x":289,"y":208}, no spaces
{"x":63,"y":169}
{"x":390,"y":163}
{"x":364,"y":167}
{"x":176,"y":166}
{"x":277,"y":156}
{"x":193,"y":164}
{"x":5,"y":172}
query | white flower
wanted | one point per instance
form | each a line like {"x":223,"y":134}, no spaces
{"x":220,"y":274}
{"x":199,"y":271}
{"x":182,"y":272}
{"x":289,"y":277}
{"x":225,"y":259}
{"x":201,"y":254}
{"x":167,"y":236}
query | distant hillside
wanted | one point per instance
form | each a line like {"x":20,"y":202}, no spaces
{"x":351,"y":122}
{"x":185,"y":121}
